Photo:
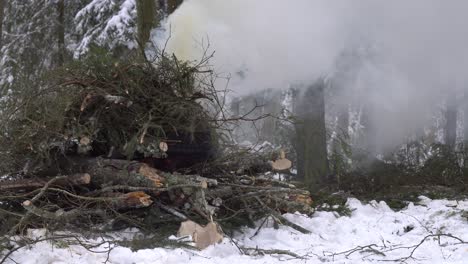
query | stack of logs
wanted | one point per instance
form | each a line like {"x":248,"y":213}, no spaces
{"x":99,"y":185}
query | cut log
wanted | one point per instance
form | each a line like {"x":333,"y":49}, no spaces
{"x":163,"y":146}
{"x":131,"y":200}
{"x":151,"y":174}
{"x":118,"y":201}
{"x":112,"y":172}
{"x":115,"y":172}
{"x":27,"y":184}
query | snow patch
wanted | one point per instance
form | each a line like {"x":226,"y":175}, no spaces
{"x":389,"y":235}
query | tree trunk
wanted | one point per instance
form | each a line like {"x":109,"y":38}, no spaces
{"x":2,"y":5}
{"x":343,"y":121}
{"x":451,"y":121}
{"x":269,"y":126}
{"x":368,"y":138}
{"x":146,"y":16}
{"x":465,"y":120}
{"x":61,"y":32}
{"x":311,"y":144}
{"x":339,"y":154}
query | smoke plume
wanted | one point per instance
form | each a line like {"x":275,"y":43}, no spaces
{"x":408,"y":55}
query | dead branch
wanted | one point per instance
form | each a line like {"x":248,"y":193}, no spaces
{"x":415,"y":247}
{"x":25,"y":184}
{"x":261,"y":252}
{"x":59,"y":215}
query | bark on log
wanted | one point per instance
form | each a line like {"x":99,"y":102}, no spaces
{"x":116,"y":172}
{"x":118,"y":201}
{"x":74,"y":179}
{"x":109,"y":172}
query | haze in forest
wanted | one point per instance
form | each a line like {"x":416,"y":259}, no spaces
{"x":401,"y":56}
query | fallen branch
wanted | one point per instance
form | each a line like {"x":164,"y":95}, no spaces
{"x":415,"y":247}
{"x":259,"y":251}
{"x":283,"y":220}
{"x":59,"y":215}
{"x":173,"y":211}
{"x":27,"y":184}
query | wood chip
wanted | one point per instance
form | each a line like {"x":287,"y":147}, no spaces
{"x":203,"y":236}
{"x":282,"y":163}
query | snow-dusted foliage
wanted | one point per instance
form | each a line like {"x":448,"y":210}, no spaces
{"x":28,"y":42}
{"x":108,"y":23}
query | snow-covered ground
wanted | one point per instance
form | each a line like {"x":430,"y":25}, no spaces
{"x":373,"y":233}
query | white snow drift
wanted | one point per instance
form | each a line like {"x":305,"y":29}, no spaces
{"x":373,"y":233}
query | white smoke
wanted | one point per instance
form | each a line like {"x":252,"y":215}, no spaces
{"x":418,"y":49}
{"x":261,"y":43}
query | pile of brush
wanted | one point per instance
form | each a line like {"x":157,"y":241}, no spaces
{"x":105,"y":143}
